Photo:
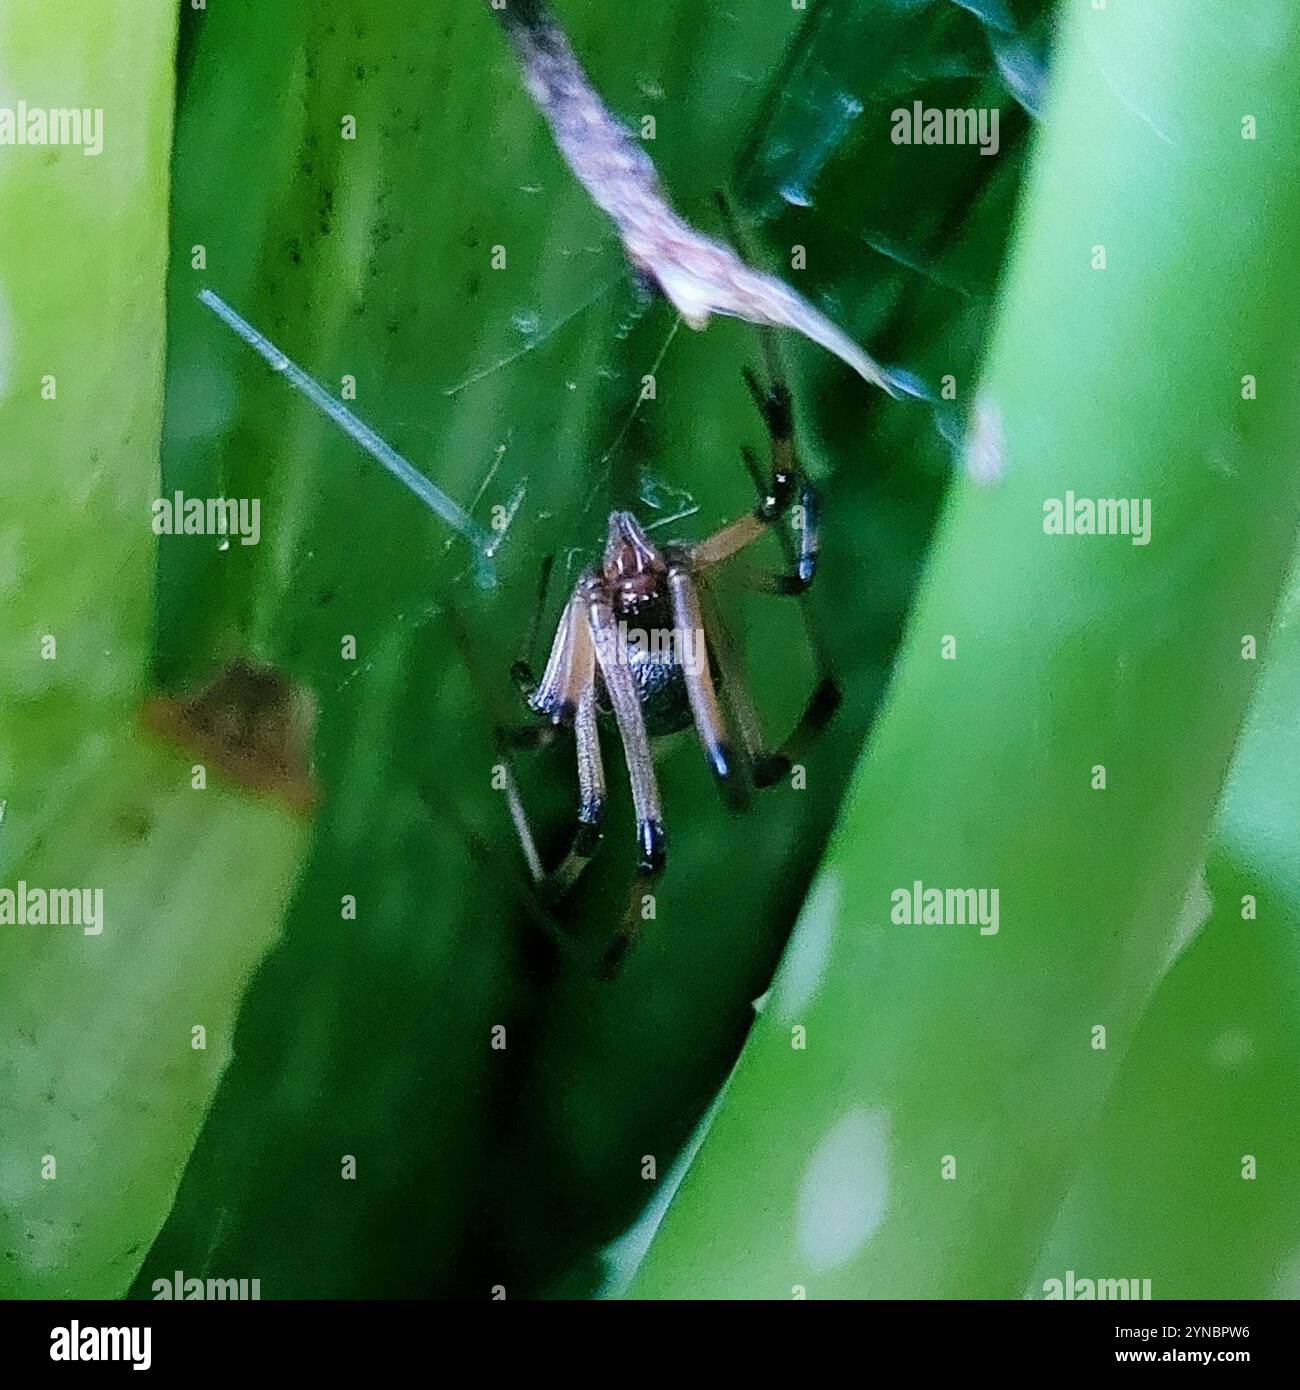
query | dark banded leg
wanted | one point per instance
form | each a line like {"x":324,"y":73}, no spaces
{"x":626,"y":703}
{"x":786,"y":485}
{"x":591,"y":799}
{"x":623,"y":696}
{"x":568,"y":690}
{"x":741,"y":712}
{"x":766,"y":766}
{"x":784,"y":492}
{"x":566,"y":693}
{"x":822,"y":704}
{"x":614,"y":956}
{"x":507,"y":741}
{"x":774,"y":404}
{"x":570,"y":665}
{"x":558,"y":882}
{"x":784,"y":489}
{"x":700,"y":689}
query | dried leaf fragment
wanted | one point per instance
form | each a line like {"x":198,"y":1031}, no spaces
{"x":699,"y":275}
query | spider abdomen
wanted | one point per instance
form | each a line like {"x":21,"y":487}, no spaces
{"x":657,"y":656}
{"x":661,"y":685}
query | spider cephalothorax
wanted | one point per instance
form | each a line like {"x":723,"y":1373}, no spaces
{"x":633,"y":641}
{"x":633,"y":567}
{"x":635,"y":574}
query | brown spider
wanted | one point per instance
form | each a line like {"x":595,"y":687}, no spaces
{"x":632,"y":640}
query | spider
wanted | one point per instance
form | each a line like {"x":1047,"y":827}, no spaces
{"x":633,"y":642}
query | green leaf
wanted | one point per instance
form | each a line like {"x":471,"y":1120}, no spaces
{"x":81,"y":268}
{"x":1198,"y":1093}
{"x":102,"y":1085}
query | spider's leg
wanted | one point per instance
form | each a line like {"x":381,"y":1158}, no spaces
{"x":441,"y":804}
{"x":612,"y":959}
{"x":774,"y":405}
{"x":625,"y":700}
{"x":522,"y":670}
{"x":786,"y":486}
{"x":591,"y":800}
{"x":523,"y":830}
{"x":442,"y":811}
{"x":734,"y":693}
{"x":623,"y":696}
{"x":785,"y":489}
{"x":591,"y":790}
{"x":569,"y":674}
{"x":822,"y":704}
{"x":688,"y":622}
{"x":557,"y":883}
{"x":767,"y":766}
{"x":556,"y":694}
{"x":568,"y":687}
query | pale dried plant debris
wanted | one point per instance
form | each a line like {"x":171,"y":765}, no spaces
{"x":699,"y":276}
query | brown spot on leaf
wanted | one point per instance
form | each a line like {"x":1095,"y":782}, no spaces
{"x":250,"y":724}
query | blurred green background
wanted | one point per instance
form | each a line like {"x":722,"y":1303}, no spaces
{"x":370,"y":258}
